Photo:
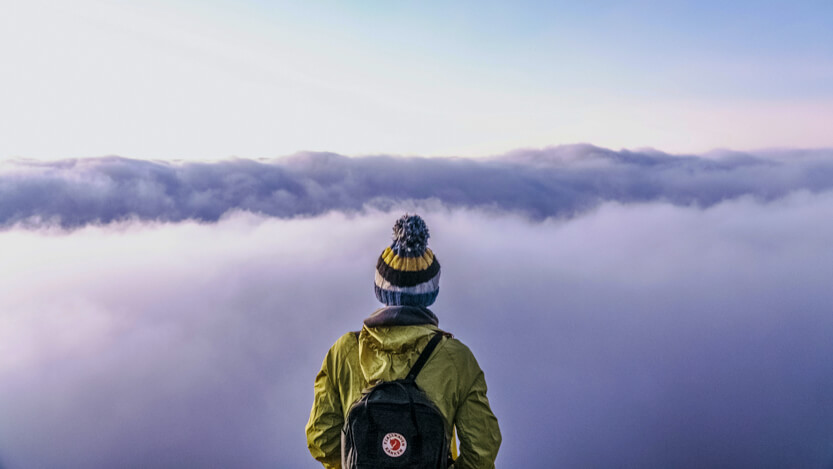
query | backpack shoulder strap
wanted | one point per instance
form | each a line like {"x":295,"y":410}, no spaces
{"x":423,"y":357}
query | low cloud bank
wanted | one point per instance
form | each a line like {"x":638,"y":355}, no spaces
{"x":645,"y":335}
{"x":554,"y":182}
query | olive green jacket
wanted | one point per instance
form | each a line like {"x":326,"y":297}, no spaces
{"x":451,"y":378}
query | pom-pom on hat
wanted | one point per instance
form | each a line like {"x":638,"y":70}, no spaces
{"x":407,"y":272}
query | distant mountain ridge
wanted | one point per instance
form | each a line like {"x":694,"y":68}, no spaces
{"x":559,"y":181}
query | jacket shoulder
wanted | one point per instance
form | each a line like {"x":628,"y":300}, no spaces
{"x":461,"y":356}
{"x":345,"y":345}
{"x":457,"y":347}
{"x":347,"y":340}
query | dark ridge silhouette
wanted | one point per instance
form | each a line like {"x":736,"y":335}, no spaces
{"x":558,"y":181}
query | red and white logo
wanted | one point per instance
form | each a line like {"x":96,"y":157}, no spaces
{"x":394,"y":445}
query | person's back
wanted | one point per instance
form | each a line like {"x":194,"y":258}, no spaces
{"x":407,"y":280}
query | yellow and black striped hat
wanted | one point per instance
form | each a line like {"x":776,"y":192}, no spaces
{"x":407,"y":272}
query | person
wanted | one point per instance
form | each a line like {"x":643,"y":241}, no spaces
{"x":390,"y":341}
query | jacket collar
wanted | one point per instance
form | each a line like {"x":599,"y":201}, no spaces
{"x":401,"y":316}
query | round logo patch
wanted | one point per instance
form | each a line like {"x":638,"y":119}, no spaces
{"x":394,"y":445}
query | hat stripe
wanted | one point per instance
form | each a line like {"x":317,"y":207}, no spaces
{"x":408,"y":264}
{"x":428,"y":286}
{"x":406,"y":299}
{"x":405,"y":278}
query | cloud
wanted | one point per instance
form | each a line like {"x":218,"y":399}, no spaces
{"x":639,"y":334}
{"x":554,"y":182}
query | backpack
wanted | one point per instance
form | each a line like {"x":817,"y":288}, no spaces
{"x":394,"y":424}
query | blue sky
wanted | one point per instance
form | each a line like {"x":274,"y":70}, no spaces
{"x":610,"y":45}
{"x":208,"y":80}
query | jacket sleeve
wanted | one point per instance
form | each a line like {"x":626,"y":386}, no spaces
{"x":326,"y":417}
{"x":477,"y":428}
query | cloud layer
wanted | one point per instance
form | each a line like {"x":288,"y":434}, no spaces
{"x":554,"y":182}
{"x":647,"y":335}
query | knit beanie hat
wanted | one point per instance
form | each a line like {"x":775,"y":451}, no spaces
{"x":407,"y":272}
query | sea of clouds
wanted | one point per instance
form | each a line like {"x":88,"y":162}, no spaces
{"x":629,"y":309}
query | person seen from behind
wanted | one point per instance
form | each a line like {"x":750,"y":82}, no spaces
{"x":387,"y":349}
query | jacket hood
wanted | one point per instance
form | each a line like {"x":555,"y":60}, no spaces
{"x":391,"y":339}
{"x":388,"y":327}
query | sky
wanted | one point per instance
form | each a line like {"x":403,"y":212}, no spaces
{"x":631,"y":202}
{"x":213,"y":79}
